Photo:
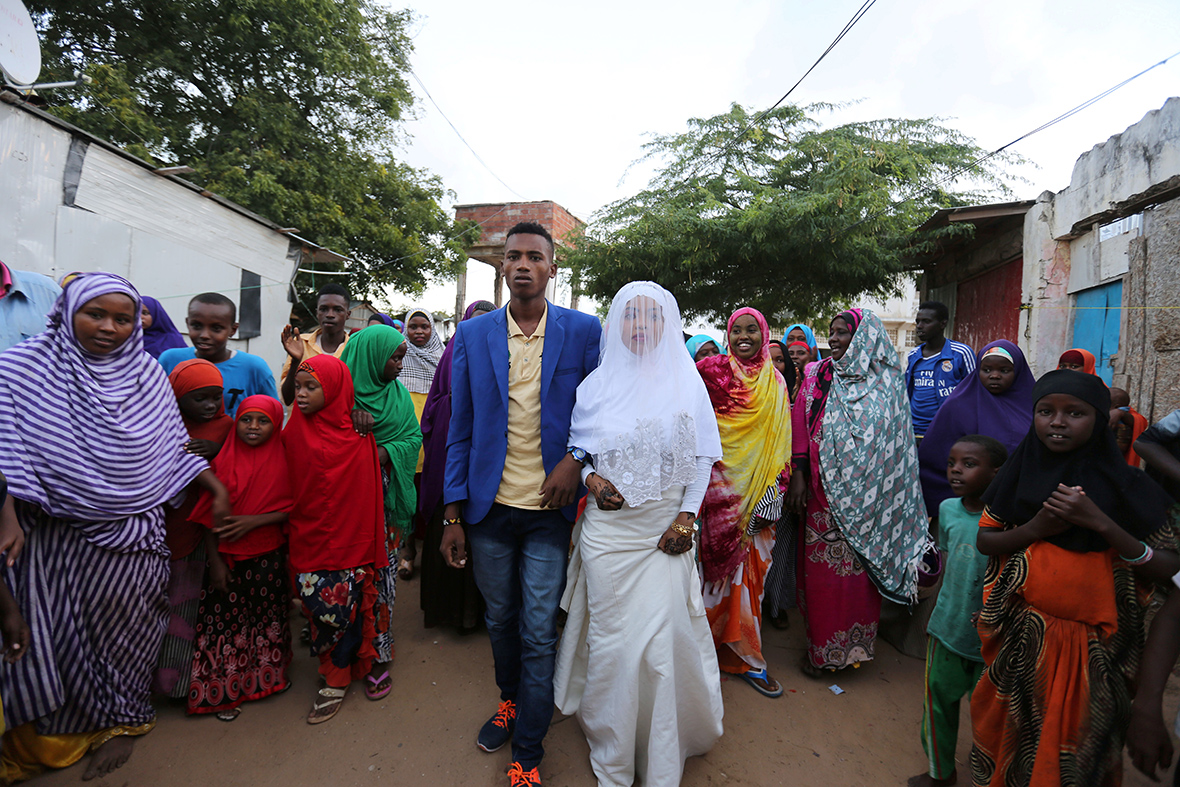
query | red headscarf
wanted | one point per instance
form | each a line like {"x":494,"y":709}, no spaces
{"x":192,"y":375}
{"x":338,"y":520}
{"x":257,"y":480}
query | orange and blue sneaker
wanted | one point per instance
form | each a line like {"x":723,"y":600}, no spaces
{"x":497,"y":730}
{"x":519,"y":777}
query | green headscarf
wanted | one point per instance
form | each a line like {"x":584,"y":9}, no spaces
{"x":396,"y":427}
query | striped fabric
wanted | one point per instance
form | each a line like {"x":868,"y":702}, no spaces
{"x":92,"y":447}
{"x":97,"y":619}
{"x":97,"y":439}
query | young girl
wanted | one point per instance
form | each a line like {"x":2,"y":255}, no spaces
{"x":243,"y":639}
{"x":996,"y":401}
{"x":1076,"y":538}
{"x":336,"y":527}
{"x":374,"y":357}
{"x":197,"y":385}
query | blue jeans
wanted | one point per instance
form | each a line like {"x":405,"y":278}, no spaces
{"x":519,"y":560}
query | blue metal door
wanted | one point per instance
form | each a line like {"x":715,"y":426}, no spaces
{"x":1096,"y":323}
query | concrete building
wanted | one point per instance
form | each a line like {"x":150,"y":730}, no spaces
{"x":1101,"y":263}
{"x":74,"y":202}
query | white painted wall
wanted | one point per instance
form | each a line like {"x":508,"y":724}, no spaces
{"x":168,"y":239}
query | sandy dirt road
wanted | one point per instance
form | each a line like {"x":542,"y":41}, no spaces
{"x":424,"y":732}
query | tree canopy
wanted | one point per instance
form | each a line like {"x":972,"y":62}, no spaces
{"x":781,"y":215}
{"x":290,"y":108}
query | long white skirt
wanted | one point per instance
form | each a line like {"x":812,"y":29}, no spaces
{"x":636,"y":663}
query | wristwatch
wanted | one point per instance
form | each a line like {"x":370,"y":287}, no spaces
{"x":578,"y":454}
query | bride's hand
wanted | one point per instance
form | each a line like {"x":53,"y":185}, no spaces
{"x":605,"y":494}
{"x":675,"y":542}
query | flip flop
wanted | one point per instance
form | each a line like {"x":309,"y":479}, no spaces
{"x":333,"y":698}
{"x":229,"y":715}
{"x":372,"y":690}
{"x":762,"y":683}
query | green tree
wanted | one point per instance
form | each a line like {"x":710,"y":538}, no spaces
{"x":291,"y":108}
{"x":784,"y":215}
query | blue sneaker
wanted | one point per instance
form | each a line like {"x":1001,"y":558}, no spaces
{"x":498,"y":729}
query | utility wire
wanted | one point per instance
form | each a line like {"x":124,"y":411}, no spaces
{"x":975,"y":164}
{"x":860,"y":12}
{"x":460,"y":136}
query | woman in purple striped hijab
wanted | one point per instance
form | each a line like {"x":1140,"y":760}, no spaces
{"x":91,"y":442}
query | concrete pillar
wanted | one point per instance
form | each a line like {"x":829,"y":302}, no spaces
{"x":499,"y":285}
{"x":461,"y":294}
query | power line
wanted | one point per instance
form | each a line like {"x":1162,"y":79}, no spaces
{"x":860,"y":12}
{"x":975,"y":164}
{"x":460,"y":136}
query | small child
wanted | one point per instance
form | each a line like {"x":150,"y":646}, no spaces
{"x":336,"y":527}
{"x":953,"y":662}
{"x":243,"y":639}
{"x":1127,"y":424}
{"x":212,"y":320}
{"x":1076,"y":537}
{"x":197,"y":385}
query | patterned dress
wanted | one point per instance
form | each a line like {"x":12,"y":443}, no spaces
{"x":840,"y":604}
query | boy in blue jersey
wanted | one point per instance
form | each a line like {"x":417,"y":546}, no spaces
{"x":212,"y":319}
{"x":935,"y":366}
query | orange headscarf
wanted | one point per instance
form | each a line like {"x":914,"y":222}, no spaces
{"x":192,"y":375}
{"x":1078,"y":355}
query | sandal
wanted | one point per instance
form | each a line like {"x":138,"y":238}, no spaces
{"x":229,"y":715}
{"x":405,"y":568}
{"x":373,"y":690}
{"x":322,"y":711}
{"x":762,"y":682}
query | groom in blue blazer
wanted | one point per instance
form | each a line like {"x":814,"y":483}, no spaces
{"x":513,"y":479}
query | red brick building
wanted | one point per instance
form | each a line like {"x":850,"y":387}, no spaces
{"x":495,"y":219}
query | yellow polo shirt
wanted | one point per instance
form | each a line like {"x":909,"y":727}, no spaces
{"x":524,"y":470}
{"x":312,"y":348}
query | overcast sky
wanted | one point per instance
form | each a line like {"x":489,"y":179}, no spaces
{"x":557,"y":98}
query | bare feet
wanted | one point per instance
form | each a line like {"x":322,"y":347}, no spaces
{"x":109,"y":757}
{"x":926,"y":780}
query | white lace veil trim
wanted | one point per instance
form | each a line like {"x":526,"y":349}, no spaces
{"x":644,"y":413}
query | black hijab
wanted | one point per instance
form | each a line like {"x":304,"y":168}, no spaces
{"x":1031,"y":474}
{"x":790,"y":371}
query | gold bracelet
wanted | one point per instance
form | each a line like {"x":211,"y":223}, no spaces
{"x":683,"y":530}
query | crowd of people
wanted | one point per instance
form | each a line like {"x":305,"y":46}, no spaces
{"x":669,"y":493}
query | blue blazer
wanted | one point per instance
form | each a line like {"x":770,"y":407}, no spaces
{"x":477,"y":442}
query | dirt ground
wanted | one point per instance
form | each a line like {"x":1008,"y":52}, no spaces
{"x":424,"y":732}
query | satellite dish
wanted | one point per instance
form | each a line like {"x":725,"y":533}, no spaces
{"x":20,"y":50}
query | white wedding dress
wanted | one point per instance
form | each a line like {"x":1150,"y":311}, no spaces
{"x":636,"y":663}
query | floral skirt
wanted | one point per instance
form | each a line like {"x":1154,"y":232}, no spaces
{"x":349,"y":614}
{"x":840,"y":604}
{"x":243,"y":642}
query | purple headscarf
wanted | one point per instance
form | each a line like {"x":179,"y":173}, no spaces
{"x":972,"y":409}
{"x":385,"y":318}
{"x":161,"y":335}
{"x":436,"y":421}
{"x":93,"y":438}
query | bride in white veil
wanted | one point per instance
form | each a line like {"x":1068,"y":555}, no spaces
{"x":651,"y":694}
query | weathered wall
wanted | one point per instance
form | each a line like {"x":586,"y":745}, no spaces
{"x":1149,"y":358}
{"x":1044,"y":320}
{"x":1062,"y":253}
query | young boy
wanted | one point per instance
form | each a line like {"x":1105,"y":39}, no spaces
{"x":953,"y":660}
{"x":212,"y":320}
